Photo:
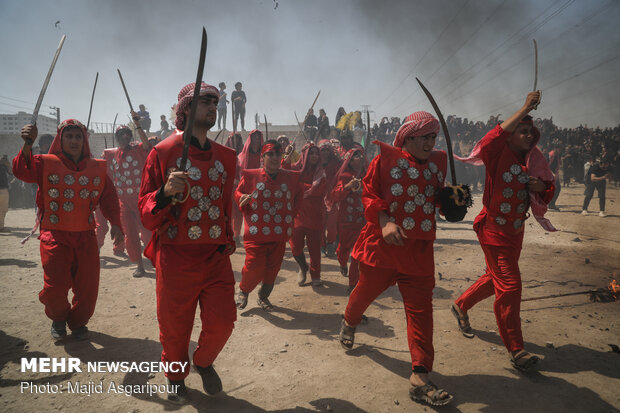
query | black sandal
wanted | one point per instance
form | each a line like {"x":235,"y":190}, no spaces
{"x":347,"y":336}
{"x":265,"y":304}
{"x":521,"y":364}
{"x":242,"y":300}
{"x":420,"y":394}
{"x":463,"y":322}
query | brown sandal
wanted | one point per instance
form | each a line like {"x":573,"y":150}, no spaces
{"x":420,"y":394}
{"x":522,"y":362}
{"x":463,"y":322}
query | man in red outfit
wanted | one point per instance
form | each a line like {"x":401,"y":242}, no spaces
{"x":71,"y":185}
{"x":517,"y":175}
{"x":400,"y":192}
{"x":192,"y":240}
{"x":125,"y":165}
{"x":331,"y":162}
{"x":268,"y":199}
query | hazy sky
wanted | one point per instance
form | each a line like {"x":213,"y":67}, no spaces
{"x":475,"y":56}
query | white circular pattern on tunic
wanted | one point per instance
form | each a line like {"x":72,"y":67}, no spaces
{"x":403,"y":163}
{"x":505,"y":207}
{"x":393,"y":206}
{"x":118,"y":183}
{"x":428,"y":208}
{"x":96,"y":181}
{"x":204,"y":203}
{"x":214,"y":193}
{"x":507,"y":177}
{"x":129,"y":182}
{"x":253,"y":230}
{"x":396,"y":189}
{"x":289,"y":231}
{"x":500,"y":220}
{"x":194,"y":214}
{"x":284,"y":187}
{"x":188,"y":164}
{"x":119,"y":191}
{"x":515,"y":169}
{"x":508,"y":192}
{"x":123,"y":178}
{"x":266,"y":205}
{"x":54,"y":219}
{"x":409,"y":206}
{"x":408,"y":223}
{"x":413,"y":173}
{"x":521,"y":208}
{"x":215,"y":231}
{"x":54,"y":206}
{"x":429,"y":190}
{"x":260,"y":186}
{"x":289,"y":206}
{"x":69,"y":179}
{"x":219,"y":166}
{"x":68,"y":206}
{"x":522,"y":194}
{"x":255,"y":194}
{"x":134,"y":163}
{"x":130,"y":191}
{"x":426,"y":225}
{"x":214,"y":212}
{"x":68,"y":193}
{"x":266,"y":193}
{"x":127,"y":173}
{"x":523,"y":178}
{"x":116,"y":166}
{"x":350,"y":209}
{"x":272,"y":210}
{"x":277,"y":229}
{"x":433,"y":167}
{"x":196,"y":192}
{"x":412,"y":190}
{"x":53,"y":193}
{"x":419,"y":199}
{"x":440,"y":176}
{"x":83,"y":180}
{"x":194,"y":232}
{"x":396,"y":172}
{"x":254,"y":218}
{"x":125,"y":165}
{"x":136,"y":172}
{"x":349,"y":218}
{"x":84,"y":193}
{"x":266,"y":230}
{"x":427,"y":174}
{"x":288,"y":219}
{"x":129,"y":158}
{"x":266,"y":217}
{"x":279,"y":205}
{"x":517,"y":224}
{"x":213,"y":174}
{"x":254,"y":206}
{"x":194,"y":173}
{"x":53,"y":179}
{"x":288,"y":194}
{"x":392,"y":219}
{"x":277,"y":193}
{"x":350,"y":200}
{"x":277,"y":219}
{"x":117,"y":174}
{"x":94,"y":194}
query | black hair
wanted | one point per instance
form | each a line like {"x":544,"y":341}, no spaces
{"x":222,"y":84}
{"x":238,"y":84}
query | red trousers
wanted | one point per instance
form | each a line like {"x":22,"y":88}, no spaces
{"x":262,"y":263}
{"x":417,"y":293}
{"x":72,"y":267}
{"x":311,"y":237}
{"x":236,"y":220}
{"x":348,"y":235}
{"x":182,"y":285}
{"x":331,"y":226}
{"x":102,"y":229}
{"x":502,"y":278}
{"x":134,"y":231}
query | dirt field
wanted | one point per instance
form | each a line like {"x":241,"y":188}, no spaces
{"x":290,"y":360}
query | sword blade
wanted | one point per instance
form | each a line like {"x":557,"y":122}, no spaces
{"x":315,"y":99}
{"x":189,"y":125}
{"x":91,"y":101}
{"x":35,"y":112}
{"x":535,"y":64}
{"x":125,"y":89}
{"x":113,"y":131}
{"x":266,"y":129}
{"x":444,"y":127}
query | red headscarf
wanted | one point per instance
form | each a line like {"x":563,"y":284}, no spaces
{"x":185,"y":98}
{"x":56,"y":146}
{"x":417,"y":124}
{"x":247,"y":159}
{"x":329,"y":201}
{"x":302,"y":165}
{"x":235,"y":142}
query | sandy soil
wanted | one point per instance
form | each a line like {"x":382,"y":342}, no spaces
{"x":290,"y":360}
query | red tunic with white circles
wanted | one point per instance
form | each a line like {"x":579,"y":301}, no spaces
{"x":125,"y":169}
{"x":270,"y":215}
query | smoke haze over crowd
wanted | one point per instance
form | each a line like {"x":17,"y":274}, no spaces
{"x":475,"y":56}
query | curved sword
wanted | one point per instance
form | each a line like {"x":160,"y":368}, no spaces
{"x":125,"y":89}
{"x":266,"y":129}
{"x":535,"y":69}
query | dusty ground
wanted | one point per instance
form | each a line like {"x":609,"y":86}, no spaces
{"x":290,"y":361}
